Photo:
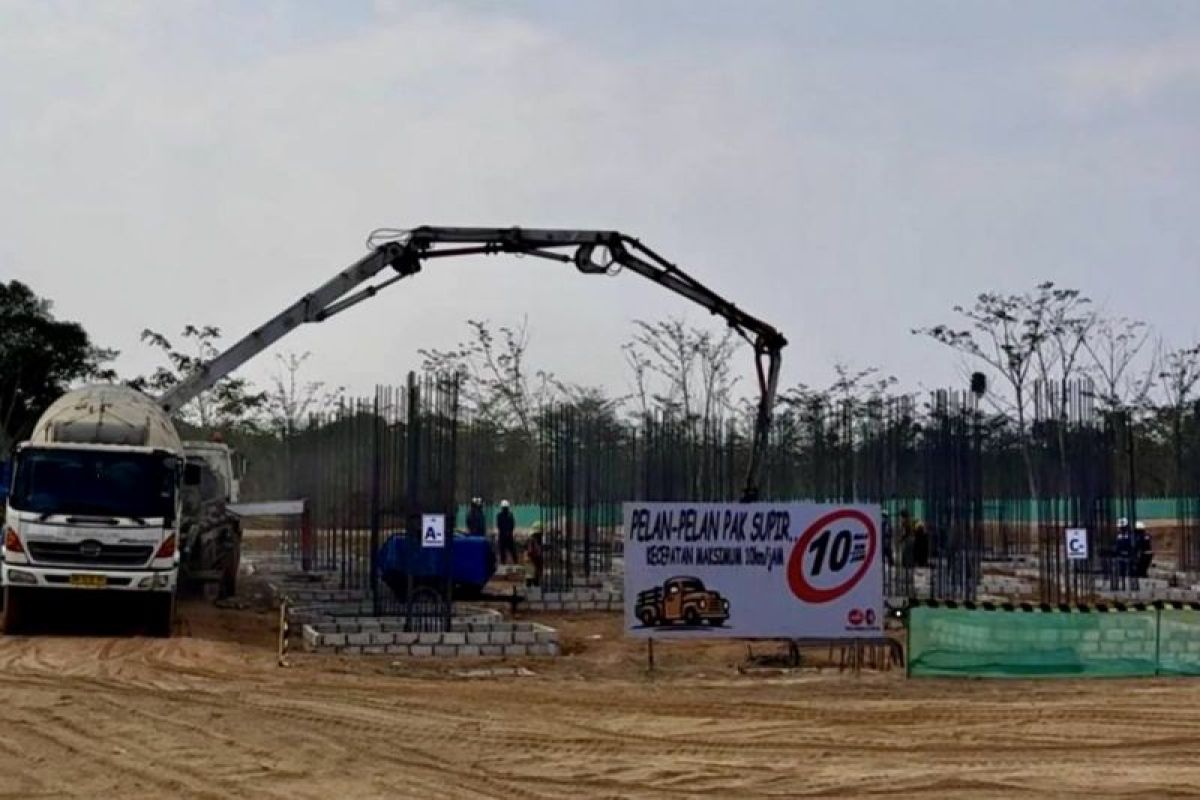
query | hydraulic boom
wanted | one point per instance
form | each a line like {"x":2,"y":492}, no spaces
{"x":592,"y":253}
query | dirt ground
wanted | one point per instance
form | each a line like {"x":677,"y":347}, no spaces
{"x":208,"y":714}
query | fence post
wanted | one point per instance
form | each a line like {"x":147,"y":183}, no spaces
{"x":306,"y":539}
{"x":283,"y":634}
{"x":908,"y":644}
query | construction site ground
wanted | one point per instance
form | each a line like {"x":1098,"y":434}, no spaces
{"x":209,"y":714}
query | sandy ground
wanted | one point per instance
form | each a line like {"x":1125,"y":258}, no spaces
{"x":209,"y":714}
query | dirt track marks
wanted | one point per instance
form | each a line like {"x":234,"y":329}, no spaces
{"x":192,"y":717}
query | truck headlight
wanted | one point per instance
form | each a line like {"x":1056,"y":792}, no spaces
{"x":20,"y":576}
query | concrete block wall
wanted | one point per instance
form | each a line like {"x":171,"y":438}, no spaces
{"x":603,"y":598}
{"x":1093,"y":637}
{"x":349,"y":614}
{"x":467,"y":639}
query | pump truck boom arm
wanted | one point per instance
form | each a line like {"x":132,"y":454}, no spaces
{"x":594,"y":253}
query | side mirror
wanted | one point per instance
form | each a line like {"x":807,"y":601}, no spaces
{"x":191,"y":474}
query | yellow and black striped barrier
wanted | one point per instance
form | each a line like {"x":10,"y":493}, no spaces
{"x":1062,"y":608}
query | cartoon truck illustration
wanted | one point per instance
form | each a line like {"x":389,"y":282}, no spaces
{"x":681,"y":599}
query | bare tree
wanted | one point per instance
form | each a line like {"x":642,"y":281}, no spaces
{"x":1069,"y":321}
{"x":497,"y":385}
{"x":1121,"y":365}
{"x":639,"y":365}
{"x":670,"y":349}
{"x":695,"y":366}
{"x":1178,"y":379}
{"x":715,"y":354}
{"x":1006,"y":333}
{"x":292,"y":399}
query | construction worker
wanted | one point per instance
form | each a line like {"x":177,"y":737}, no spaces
{"x":533,"y":552}
{"x":914,"y":541}
{"x":921,"y":542}
{"x":1143,"y":549}
{"x":505,"y":526}
{"x":476,"y":521}
{"x":1124,"y":549}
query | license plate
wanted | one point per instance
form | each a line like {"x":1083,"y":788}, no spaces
{"x":89,"y":581}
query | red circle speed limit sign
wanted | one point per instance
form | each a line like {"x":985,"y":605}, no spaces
{"x":832,"y":555}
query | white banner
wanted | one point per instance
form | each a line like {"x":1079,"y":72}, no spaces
{"x":752,"y":570}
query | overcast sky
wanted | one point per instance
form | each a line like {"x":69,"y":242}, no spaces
{"x":845,"y":170}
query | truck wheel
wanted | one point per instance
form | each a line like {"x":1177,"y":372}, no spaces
{"x":162,"y":615}
{"x":691,"y":616}
{"x":15,"y":601}
{"x":648,"y":617}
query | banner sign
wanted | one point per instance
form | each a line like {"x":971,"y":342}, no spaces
{"x":752,"y":570}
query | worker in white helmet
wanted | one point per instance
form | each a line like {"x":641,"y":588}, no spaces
{"x":506,"y":539}
{"x":476,"y":521}
{"x":1143,"y":549}
{"x":1124,"y":549}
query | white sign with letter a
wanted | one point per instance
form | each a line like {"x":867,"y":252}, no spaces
{"x":1077,"y":544}
{"x":433,"y":530}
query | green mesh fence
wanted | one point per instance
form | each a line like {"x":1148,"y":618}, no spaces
{"x":1178,"y":642}
{"x":975,"y":643}
{"x":1148,"y":509}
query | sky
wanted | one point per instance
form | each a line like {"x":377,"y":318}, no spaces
{"x":847,"y":171}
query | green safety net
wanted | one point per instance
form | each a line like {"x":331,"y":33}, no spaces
{"x":1178,"y":642}
{"x":1148,"y":509}
{"x":977,"y":643}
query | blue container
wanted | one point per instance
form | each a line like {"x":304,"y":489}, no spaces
{"x":472,"y":563}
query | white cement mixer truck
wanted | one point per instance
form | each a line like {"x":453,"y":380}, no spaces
{"x":95,"y":504}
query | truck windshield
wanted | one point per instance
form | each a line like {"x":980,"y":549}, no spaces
{"x":115,"y":484}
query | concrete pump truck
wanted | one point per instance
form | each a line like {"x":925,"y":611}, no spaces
{"x":96,"y":501}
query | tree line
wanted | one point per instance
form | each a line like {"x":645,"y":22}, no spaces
{"x":1030,"y":348}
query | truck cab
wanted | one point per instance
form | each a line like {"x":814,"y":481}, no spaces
{"x":95,"y":505}
{"x":222,"y":460}
{"x":211,"y":533}
{"x":682,"y":599}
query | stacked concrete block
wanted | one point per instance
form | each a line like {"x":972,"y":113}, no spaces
{"x":598,"y":598}
{"x":486,"y":638}
{"x":348,"y":615}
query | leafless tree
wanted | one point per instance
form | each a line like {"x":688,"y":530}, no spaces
{"x":292,"y":399}
{"x":694,"y":365}
{"x":1121,"y":364}
{"x":1007,"y":332}
{"x":639,"y":366}
{"x":497,"y":384}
